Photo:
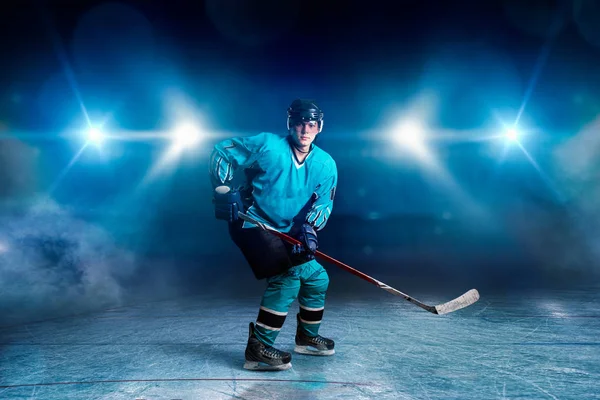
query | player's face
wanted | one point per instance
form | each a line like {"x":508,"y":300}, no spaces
{"x":304,"y":133}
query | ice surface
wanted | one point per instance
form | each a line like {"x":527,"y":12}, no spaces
{"x":517,"y":346}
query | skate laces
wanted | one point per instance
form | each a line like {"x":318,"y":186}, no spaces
{"x":318,"y":339}
{"x":272,"y":352}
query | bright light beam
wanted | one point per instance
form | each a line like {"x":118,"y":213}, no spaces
{"x":541,"y":61}
{"x":541,"y":172}
{"x":186,"y":135}
{"x":410,"y":135}
{"x":64,"y":172}
{"x":95,"y":136}
{"x":512,"y":134}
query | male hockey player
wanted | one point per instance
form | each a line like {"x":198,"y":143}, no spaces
{"x":289,"y":184}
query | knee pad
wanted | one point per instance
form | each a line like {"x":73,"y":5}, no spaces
{"x":320,"y":278}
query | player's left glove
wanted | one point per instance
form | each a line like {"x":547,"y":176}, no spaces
{"x":227,"y":203}
{"x":308,"y":237}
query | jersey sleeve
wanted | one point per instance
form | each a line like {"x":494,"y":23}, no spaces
{"x":320,"y":211}
{"x":233,"y":154}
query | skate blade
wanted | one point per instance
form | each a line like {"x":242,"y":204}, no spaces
{"x":256,"y":366}
{"x":312,"y":351}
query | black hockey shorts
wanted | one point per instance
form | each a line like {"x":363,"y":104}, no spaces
{"x":266,"y":254}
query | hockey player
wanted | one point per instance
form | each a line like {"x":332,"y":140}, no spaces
{"x":289,"y":184}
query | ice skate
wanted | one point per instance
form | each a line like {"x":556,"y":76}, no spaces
{"x":260,"y":357}
{"x":316,"y":346}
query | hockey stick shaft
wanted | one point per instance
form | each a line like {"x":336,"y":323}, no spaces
{"x":465,"y":300}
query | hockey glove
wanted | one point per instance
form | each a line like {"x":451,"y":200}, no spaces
{"x":308,"y":237}
{"x":227,"y":203}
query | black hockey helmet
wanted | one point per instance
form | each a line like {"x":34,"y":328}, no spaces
{"x":302,"y":110}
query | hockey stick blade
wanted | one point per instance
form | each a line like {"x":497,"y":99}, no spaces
{"x":460,"y":302}
{"x":463,"y":301}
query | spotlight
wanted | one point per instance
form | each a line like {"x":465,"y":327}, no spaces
{"x":186,"y":135}
{"x":95,"y":135}
{"x":512,"y":135}
{"x":409,"y":133}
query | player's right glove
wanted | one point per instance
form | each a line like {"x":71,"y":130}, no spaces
{"x":227,"y":203}
{"x":308,"y":237}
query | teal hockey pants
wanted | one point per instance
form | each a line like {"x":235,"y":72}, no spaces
{"x":308,"y":282}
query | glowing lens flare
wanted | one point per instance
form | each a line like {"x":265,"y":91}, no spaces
{"x":95,"y":136}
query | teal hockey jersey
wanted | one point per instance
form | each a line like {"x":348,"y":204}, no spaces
{"x":283,"y":190}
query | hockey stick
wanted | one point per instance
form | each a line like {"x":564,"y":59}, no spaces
{"x":463,"y":301}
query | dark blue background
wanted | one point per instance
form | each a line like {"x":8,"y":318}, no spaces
{"x":92,"y":233}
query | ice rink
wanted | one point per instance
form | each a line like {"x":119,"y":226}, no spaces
{"x":527,"y":345}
